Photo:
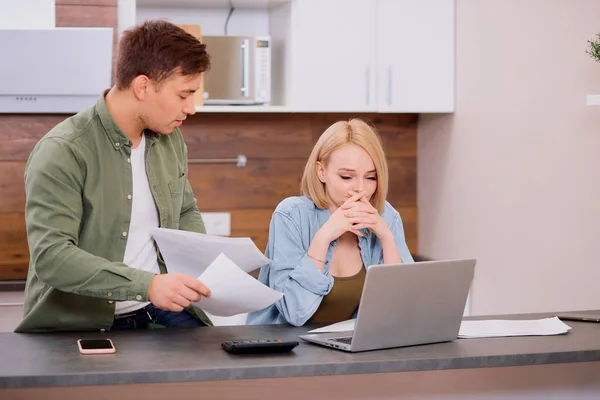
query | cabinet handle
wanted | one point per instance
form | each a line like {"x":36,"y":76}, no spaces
{"x":367,"y":86}
{"x":245,"y":48}
{"x":389,"y":96}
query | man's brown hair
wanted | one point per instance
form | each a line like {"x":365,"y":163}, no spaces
{"x":157,"y":49}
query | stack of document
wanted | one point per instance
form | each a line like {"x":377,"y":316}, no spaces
{"x":503,"y":327}
{"x":222,"y":264}
{"x":484,"y":328}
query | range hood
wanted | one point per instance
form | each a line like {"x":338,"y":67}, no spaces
{"x":55,"y":70}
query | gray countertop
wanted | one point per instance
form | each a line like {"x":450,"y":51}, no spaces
{"x":155,"y":356}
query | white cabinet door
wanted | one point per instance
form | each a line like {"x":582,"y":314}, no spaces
{"x":415,"y":55}
{"x":333,"y":55}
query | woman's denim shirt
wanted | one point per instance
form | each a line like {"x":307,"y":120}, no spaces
{"x":294,"y":223}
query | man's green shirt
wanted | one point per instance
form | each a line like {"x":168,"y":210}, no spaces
{"x":77,"y":181}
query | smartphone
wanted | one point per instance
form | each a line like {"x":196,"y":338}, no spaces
{"x":96,"y":346}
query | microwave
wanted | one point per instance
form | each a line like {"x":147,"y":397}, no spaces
{"x":240,"y":71}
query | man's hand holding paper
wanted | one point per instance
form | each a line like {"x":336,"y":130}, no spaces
{"x":220,"y":263}
{"x":176,"y":291}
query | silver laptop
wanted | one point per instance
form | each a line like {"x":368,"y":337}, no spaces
{"x":406,"y":305}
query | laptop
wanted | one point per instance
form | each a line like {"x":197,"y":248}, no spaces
{"x":406,"y":305}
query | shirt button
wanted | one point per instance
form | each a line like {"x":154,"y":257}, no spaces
{"x":138,"y":297}
{"x":124,"y":234}
{"x":129,"y":196}
{"x":109,"y":294}
{"x":129,"y":160}
{"x":110,"y":302}
{"x":117,"y":144}
{"x":102,"y":330}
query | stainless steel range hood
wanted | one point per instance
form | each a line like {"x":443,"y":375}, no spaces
{"x":55,"y":70}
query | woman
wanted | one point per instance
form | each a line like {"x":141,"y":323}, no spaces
{"x":322,"y":243}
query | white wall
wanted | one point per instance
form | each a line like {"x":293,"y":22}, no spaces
{"x":513,"y":176}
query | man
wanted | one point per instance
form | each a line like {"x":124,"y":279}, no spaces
{"x":98,"y":184}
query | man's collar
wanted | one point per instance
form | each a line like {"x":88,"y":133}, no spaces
{"x":116,"y":135}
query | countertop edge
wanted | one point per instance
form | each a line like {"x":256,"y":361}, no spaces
{"x":292,"y":371}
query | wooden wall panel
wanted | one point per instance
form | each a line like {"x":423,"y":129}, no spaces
{"x":262,"y":184}
{"x":253,"y":135}
{"x":286,"y":135}
{"x":12,"y":186}
{"x":20,"y":133}
{"x":14,"y":255}
{"x":276,"y":145}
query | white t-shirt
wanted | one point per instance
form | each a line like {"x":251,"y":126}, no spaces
{"x":140,"y":251}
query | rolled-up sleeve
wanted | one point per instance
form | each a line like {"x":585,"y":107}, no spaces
{"x":292,"y":272}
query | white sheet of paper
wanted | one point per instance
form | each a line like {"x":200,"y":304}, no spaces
{"x":484,"y":328}
{"x":222,"y":264}
{"x":501,"y":328}
{"x":191,"y":253}
{"x":233,"y":291}
{"x":342,"y":326}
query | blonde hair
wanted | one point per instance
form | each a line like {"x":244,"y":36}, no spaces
{"x":342,"y":133}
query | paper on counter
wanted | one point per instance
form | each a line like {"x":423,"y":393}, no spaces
{"x":483,"y":329}
{"x":233,"y":291}
{"x":343,"y":326}
{"x":191,"y":253}
{"x":502,"y":328}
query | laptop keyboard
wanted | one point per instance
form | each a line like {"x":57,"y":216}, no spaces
{"x":345,"y":340}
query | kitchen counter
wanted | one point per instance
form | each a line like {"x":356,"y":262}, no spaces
{"x":194,"y":355}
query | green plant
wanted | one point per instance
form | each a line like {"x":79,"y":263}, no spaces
{"x":594,"y":48}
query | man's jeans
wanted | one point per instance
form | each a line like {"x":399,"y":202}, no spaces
{"x":140,"y":319}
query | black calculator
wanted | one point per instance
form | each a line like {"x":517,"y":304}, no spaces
{"x":265,"y":346}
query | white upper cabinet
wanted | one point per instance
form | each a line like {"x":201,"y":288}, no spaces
{"x":370,"y":55}
{"x":332,"y":48}
{"x":415,"y":40}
